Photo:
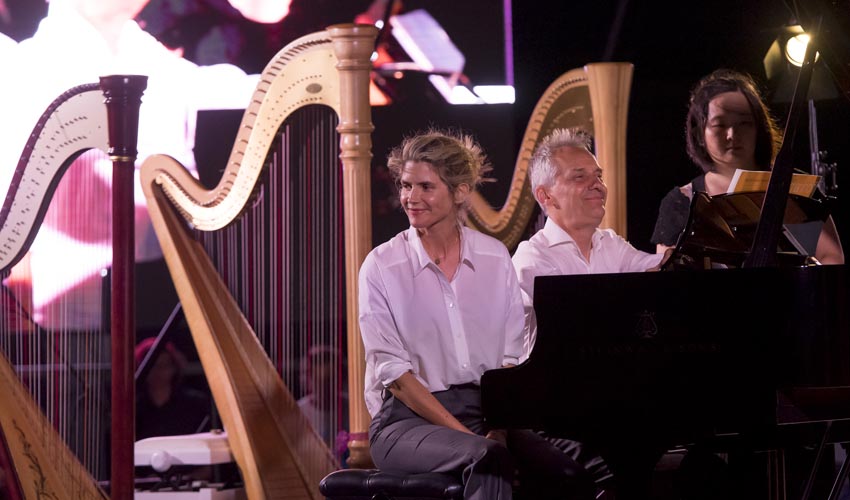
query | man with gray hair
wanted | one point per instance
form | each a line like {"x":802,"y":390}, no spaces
{"x":566,"y":181}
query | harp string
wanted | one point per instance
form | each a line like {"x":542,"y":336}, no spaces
{"x":281,"y":262}
{"x":54,"y":337}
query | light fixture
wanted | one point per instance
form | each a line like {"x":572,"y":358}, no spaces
{"x":795,"y":45}
{"x":783,"y":60}
{"x":795,"y":48}
{"x":433,"y":53}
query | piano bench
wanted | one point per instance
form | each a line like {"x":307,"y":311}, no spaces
{"x":372,"y":484}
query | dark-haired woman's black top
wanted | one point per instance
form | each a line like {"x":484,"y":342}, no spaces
{"x":673,"y":214}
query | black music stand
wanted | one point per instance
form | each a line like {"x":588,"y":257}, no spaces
{"x":720,"y":231}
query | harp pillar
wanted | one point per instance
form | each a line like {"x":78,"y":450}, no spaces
{"x":353,"y":45}
{"x":123,"y":97}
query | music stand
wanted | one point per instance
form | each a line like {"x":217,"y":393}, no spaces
{"x":720,"y":231}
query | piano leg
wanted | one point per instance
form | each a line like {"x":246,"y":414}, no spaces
{"x":818,"y":456}
{"x":841,"y":478}
{"x":776,"y":486}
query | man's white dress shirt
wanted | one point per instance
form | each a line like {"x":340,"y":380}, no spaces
{"x":552,"y":251}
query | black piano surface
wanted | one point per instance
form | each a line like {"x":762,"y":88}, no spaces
{"x":643,"y":362}
{"x":688,"y":352}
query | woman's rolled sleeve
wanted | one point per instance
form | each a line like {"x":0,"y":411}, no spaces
{"x":514,"y":319}
{"x":383,"y":346}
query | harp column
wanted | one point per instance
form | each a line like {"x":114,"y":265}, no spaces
{"x":353,"y":45}
{"x":609,"y":85}
{"x":123,"y":98}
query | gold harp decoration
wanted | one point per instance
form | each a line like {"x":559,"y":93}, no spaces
{"x":44,"y":465}
{"x":278,"y":453}
{"x":594,"y":97}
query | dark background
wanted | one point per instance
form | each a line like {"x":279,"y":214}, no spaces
{"x":671,"y":44}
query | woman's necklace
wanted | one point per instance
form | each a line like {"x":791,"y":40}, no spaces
{"x":437,"y":260}
{"x":440,"y":259}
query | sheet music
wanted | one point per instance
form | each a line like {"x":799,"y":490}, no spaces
{"x":744,"y":181}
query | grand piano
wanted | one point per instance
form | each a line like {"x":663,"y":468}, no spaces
{"x":669,"y":367}
{"x":754,"y":356}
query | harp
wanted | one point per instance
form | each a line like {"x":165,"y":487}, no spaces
{"x":51,"y":399}
{"x":594,"y":97}
{"x":265,"y":276}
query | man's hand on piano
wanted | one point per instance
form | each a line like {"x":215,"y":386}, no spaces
{"x":667,"y":253}
{"x":499,"y":435}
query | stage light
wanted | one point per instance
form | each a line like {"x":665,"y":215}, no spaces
{"x":788,"y":47}
{"x":433,"y":52}
{"x":795,"y":45}
{"x":795,"y":48}
{"x":783,"y":60}
{"x":495,"y":94}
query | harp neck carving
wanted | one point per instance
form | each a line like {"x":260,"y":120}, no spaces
{"x":277,"y":451}
{"x":279,"y":92}
{"x":73,"y":123}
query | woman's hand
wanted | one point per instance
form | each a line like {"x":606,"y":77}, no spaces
{"x":499,"y":435}
{"x":415,"y":396}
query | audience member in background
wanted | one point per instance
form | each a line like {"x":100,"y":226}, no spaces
{"x":165,"y":405}
{"x":323,"y":405}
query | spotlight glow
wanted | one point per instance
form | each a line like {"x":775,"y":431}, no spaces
{"x":795,"y":49}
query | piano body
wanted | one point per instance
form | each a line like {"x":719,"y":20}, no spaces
{"x":639,"y":363}
{"x":755,"y":355}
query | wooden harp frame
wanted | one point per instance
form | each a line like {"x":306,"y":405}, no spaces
{"x":594,"y":97}
{"x":93,"y":116}
{"x":277,"y":452}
